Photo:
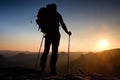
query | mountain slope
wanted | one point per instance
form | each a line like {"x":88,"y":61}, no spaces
{"x":105,"y":62}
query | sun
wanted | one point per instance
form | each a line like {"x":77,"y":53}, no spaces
{"x":104,"y":43}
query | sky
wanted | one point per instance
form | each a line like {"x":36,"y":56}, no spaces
{"x":90,"y":21}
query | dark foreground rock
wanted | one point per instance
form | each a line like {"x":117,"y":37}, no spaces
{"x":18,"y":73}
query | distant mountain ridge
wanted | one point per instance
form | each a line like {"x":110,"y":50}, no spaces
{"x":104,"y":62}
{"x":12,"y":52}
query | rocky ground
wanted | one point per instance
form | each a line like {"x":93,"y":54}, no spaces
{"x":18,"y":73}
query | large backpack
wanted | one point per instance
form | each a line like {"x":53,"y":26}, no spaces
{"x":41,"y":19}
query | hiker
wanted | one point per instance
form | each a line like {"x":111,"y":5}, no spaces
{"x":52,"y":37}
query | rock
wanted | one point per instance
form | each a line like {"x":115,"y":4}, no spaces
{"x":19,"y":73}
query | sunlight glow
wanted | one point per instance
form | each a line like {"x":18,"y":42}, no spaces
{"x":104,"y":43}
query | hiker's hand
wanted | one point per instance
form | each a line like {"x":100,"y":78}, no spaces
{"x":69,"y":33}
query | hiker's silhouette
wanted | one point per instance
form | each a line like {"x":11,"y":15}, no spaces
{"x":52,"y":36}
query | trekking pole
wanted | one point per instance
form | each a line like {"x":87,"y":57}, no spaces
{"x":39,"y":52}
{"x":68,"y":63}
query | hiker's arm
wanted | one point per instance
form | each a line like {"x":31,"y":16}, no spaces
{"x":63,"y":25}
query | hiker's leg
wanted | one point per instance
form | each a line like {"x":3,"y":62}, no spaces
{"x":45,"y":53}
{"x":54,"y":56}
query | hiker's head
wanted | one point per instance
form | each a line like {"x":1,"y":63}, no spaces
{"x":52,"y":7}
